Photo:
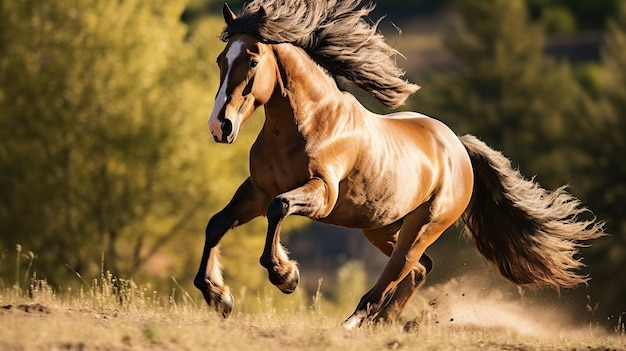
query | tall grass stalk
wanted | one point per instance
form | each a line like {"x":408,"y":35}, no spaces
{"x":620,"y":328}
{"x":4,"y":255}
{"x":21,"y":258}
{"x":18,"y":248}
{"x":317,"y":300}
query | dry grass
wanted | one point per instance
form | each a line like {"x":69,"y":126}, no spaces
{"x":118,"y":315}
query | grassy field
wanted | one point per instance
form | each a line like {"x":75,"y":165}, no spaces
{"x":118,"y":315}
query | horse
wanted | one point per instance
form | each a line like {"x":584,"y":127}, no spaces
{"x":402,"y":178}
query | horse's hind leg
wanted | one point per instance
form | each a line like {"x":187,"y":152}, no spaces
{"x":246,"y":204}
{"x":405,"y":290}
{"x":419,"y":229}
{"x":385,"y":239}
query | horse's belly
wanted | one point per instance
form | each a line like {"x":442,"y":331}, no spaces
{"x":366,"y":207}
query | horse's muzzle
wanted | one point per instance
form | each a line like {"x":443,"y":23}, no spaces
{"x":227,"y":134}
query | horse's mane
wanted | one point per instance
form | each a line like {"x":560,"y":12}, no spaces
{"x":337,"y":35}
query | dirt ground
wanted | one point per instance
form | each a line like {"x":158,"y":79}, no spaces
{"x":35,"y":326}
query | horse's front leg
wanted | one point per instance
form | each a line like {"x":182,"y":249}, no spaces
{"x":315,"y":199}
{"x":247,"y":203}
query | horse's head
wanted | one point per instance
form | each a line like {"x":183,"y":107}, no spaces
{"x":248,"y":75}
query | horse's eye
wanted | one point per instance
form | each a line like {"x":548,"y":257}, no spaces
{"x":253,"y":63}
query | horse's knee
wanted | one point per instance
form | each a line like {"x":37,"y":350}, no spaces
{"x":277,"y":209}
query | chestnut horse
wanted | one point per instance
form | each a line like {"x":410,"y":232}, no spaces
{"x":402,"y":178}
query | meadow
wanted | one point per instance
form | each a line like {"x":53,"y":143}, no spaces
{"x":117,"y":314}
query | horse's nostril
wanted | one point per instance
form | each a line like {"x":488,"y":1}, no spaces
{"x":227,"y":128}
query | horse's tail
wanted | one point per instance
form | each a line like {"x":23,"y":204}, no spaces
{"x":532,"y":234}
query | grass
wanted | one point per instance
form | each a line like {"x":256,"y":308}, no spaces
{"x":116,"y":314}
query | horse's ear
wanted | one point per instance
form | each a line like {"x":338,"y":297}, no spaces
{"x":229,"y":15}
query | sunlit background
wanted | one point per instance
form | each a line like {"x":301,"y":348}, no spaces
{"x":106,"y":162}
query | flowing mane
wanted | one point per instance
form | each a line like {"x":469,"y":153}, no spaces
{"x":337,"y":35}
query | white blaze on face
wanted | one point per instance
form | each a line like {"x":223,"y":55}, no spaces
{"x":214,"y":124}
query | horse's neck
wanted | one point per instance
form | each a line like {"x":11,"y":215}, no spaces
{"x":309,"y":91}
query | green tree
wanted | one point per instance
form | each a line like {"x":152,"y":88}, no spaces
{"x":565,"y":15}
{"x":604,"y":146}
{"x":505,"y":90}
{"x":104,"y":145}
{"x":100,"y":104}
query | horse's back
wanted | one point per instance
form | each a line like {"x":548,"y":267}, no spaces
{"x":422,"y":126}
{"x":435,"y":139}
{"x":428,"y":135}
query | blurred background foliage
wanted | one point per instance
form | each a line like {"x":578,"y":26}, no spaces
{"x":106,"y":161}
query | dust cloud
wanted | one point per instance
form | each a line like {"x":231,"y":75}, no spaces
{"x":475,"y":303}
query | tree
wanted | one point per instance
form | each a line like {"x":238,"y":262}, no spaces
{"x":504,"y":89}
{"x":101,"y":153}
{"x":601,"y":138}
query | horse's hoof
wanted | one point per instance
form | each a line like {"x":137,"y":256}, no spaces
{"x":291,"y":283}
{"x":354,"y":321}
{"x":225,"y":304}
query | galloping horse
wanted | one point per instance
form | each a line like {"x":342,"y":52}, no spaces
{"x":402,"y":178}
